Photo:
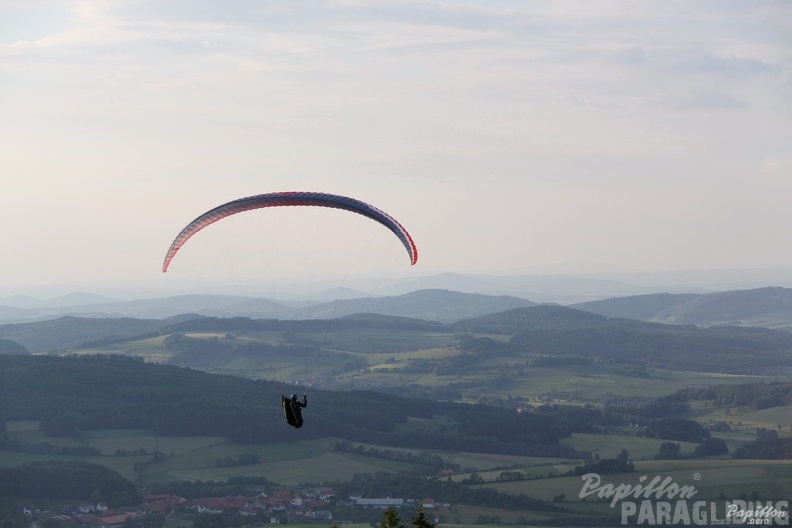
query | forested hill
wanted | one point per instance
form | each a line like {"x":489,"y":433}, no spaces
{"x":68,"y":332}
{"x":769,"y":307}
{"x":74,"y":332}
{"x":430,"y":304}
{"x":75,"y":393}
{"x":558,"y":331}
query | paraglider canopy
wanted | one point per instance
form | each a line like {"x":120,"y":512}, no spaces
{"x":278,"y":199}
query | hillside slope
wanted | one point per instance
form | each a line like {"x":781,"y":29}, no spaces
{"x":69,"y":394}
{"x":768,"y":307}
{"x":560,"y":331}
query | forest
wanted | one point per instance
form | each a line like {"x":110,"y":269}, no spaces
{"x":75,"y":393}
{"x":58,"y":479}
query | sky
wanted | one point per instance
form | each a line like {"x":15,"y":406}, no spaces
{"x":507,"y":137}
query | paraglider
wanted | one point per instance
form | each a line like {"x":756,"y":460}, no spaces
{"x":292,"y":408}
{"x":293,"y":198}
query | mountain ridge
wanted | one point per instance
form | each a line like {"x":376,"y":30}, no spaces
{"x":432,"y":304}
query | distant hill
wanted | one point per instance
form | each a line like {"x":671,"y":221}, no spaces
{"x":435,"y":305}
{"x":68,"y":332}
{"x":528,"y":331}
{"x":559,"y":331}
{"x":768,"y":307}
{"x":643,"y":307}
{"x":521,"y":319}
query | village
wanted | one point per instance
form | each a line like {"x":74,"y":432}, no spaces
{"x":277,"y":506}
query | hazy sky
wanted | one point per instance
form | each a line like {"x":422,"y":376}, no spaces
{"x":507,"y":137}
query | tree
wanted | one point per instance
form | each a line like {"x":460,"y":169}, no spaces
{"x":669,"y":451}
{"x":391,"y":518}
{"x":711,"y":446}
{"x":420,"y":520}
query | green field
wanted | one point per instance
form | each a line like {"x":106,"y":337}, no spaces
{"x":778,"y":418}
{"x":200,"y":458}
{"x":394,"y":358}
{"x":315,"y":461}
{"x":714,"y":479}
{"x":608,"y":446}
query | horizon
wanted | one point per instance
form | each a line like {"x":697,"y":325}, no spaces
{"x":561,"y":288}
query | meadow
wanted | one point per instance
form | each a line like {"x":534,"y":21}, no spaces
{"x":316,"y":461}
{"x":394,"y":358}
{"x":201,"y":458}
{"x":713,"y":479}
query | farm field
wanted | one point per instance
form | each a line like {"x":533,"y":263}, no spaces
{"x":203,"y":457}
{"x":377,"y":358}
{"x":200,"y":458}
{"x":713,"y":478}
{"x":739,"y":417}
{"x":609,"y":446}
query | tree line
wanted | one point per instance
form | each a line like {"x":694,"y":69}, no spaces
{"x":752,"y":395}
{"x":56,"y":479}
{"x":77,"y":393}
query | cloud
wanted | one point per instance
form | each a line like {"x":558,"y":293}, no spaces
{"x":701,"y":100}
{"x":692,"y":61}
{"x":779,"y":166}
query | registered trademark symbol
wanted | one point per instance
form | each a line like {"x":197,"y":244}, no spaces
{"x":696,"y":476}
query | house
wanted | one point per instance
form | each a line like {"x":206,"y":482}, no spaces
{"x":317,"y":504}
{"x":209,"y":504}
{"x":322,"y":515}
{"x":379,"y":503}
{"x":248,"y":511}
{"x":274,"y":504}
{"x":325,"y":493}
{"x":161,"y":503}
{"x":237,"y":503}
{"x":114,"y":521}
{"x":282,"y":493}
{"x":86,"y":518}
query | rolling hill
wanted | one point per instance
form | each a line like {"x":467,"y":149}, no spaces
{"x":69,"y":394}
{"x":767,"y":307}
{"x":68,"y":332}
{"x":431,"y":304}
{"x":526,"y":332}
{"x":561,"y":331}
